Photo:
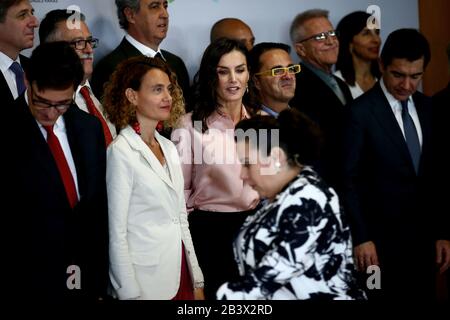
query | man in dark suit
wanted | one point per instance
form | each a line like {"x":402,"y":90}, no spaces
{"x":319,"y":94}
{"x":389,"y":195}
{"x":56,"y":26}
{"x":146,"y":23}
{"x":17,"y":23}
{"x":55,"y":172}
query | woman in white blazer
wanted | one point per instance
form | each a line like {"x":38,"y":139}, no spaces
{"x":151,"y":250}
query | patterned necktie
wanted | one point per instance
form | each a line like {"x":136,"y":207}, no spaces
{"x":337,"y":90}
{"x":94,"y":111}
{"x":412,"y":139}
{"x":63,"y":167}
{"x":18,"y":72}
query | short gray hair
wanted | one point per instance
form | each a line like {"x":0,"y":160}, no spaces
{"x":121,"y":6}
{"x":296,"y":31}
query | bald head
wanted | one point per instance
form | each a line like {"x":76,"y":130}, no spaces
{"x":235,"y":29}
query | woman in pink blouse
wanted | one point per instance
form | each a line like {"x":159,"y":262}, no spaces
{"x":217,"y":198}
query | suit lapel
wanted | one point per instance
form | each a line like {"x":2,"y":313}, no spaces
{"x":39,"y":152}
{"x":382,"y":111}
{"x":137,"y":144}
{"x":314,"y":81}
{"x":75,"y":147}
{"x":424,"y":114}
{"x":5,"y":93}
{"x":128,"y":50}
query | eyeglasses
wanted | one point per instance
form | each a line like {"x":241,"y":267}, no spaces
{"x":82,"y":43}
{"x":279,"y":72}
{"x":43,"y":106}
{"x":322,"y":36}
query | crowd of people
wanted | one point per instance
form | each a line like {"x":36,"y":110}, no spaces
{"x":267,"y":178}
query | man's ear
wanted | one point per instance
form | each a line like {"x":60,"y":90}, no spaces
{"x":300,"y":49}
{"x":256,"y":82}
{"x":129,"y":14}
{"x":131,"y":96}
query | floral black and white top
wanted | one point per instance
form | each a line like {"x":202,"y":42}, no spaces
{"x":296,"y":247}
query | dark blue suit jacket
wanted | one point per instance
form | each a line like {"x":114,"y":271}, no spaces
{"x":386,"y":201}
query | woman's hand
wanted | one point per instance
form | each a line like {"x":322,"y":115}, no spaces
{"x":199,"y":294}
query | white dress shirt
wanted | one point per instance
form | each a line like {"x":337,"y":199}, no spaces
{"x":146,"y":51}
{"x":10,"y":77}
{"x":397,"y":110}
{"x":355,"y":90}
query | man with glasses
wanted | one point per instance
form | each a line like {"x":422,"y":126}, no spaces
{"x":60,"y":25}
{"x":319,"y":94}
{"x":273,"y":76}
{"x":55,"y":172}
{"x":17,"y":24}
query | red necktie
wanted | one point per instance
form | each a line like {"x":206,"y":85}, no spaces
{"x":63,"y":167}
{"x":94,"y":111}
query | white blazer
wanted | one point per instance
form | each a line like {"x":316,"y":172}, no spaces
{"x":147,"y":220}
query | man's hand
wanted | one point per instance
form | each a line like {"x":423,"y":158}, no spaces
{"x":443,"y":255}
{"x":365,"y":255}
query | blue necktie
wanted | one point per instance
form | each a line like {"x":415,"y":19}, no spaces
{"x":412,"y":139}
{"x":20,"y":82}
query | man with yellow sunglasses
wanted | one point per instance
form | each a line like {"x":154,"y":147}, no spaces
{"x":273,"y":76}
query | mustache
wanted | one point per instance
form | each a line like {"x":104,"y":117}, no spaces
{"x":87,"y":56}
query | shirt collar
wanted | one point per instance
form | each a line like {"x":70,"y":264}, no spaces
{"x":393,"y":102}
{"x":86,"y":84}
{"x":6,"y":62}
{"x":220,"y":114}
{"x":146,"y":51}
{"x":270,"y":111}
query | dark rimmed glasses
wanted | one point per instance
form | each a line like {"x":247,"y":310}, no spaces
{"x":322,"y":36}
{"x":43,"y":105}
{"x":82,"y":43}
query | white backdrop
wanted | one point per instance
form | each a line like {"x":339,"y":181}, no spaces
{"x":191,"y":20}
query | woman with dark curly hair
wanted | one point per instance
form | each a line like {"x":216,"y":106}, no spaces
{"x":217,"y":197}
{"x":359,"y":48}
{"x":151,"y":250}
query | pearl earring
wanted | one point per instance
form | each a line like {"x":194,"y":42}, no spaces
{"x":277,"y":166}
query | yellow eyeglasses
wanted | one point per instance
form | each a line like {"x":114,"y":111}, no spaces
{"x":279,"y":72}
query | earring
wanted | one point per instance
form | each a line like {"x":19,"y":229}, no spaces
{"x":136,"y":127}
{"x":246,"y":88}
{"x":277,"y":167}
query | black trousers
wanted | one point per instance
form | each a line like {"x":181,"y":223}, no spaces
{"x":213,"y":235}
